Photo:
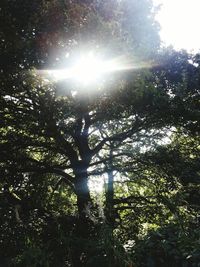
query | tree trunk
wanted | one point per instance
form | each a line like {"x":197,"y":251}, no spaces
{"x":109,"y":210}
{"x":110,"y":214}
{"x":109,"y":205}
{"x":83,"y":226}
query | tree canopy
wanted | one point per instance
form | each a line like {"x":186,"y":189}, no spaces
{"x":96,"y":174}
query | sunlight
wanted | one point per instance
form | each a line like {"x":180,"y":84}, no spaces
{"x":86,"y":70}
{"x":90,"y":69}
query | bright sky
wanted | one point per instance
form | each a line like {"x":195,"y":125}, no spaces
{"x":180,"y":23}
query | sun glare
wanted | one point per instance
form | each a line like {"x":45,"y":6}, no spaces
{"x":86,"y":70}
{"x":89,"y":69}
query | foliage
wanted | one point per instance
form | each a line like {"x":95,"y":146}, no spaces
{"x":169,"y":246}
{"x":137,"y":133}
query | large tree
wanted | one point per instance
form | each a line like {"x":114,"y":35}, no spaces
{"x":54,"y":138}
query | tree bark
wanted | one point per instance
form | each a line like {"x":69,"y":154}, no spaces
{"x":83,"y":226}
{"x":109,"y":208}
{"x":109,"y":205}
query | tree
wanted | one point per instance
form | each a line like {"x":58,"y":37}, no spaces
{"x":172,"y":236}
{"x":53,"y":139}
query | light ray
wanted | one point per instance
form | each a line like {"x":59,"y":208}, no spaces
{"x":89,"y":69}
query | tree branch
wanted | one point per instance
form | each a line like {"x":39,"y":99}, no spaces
{"x":118,"y":137}
{"x":65,"y":176}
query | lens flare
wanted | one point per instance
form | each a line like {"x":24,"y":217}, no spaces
{"x":90,"y":69}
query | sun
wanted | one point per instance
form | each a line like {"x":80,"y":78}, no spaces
{"x":88,"y":69}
